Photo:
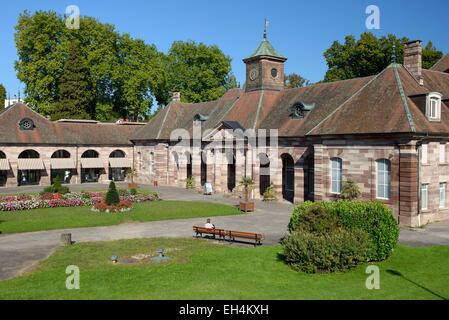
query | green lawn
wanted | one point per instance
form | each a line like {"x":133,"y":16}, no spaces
{"x":204,"y":270}
{"x":61,"y":218}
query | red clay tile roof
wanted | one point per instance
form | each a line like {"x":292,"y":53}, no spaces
{"x":376,"y":104}
{"x":442,"y":65}
{"x":385,"y":103}
{"x":48,"y":132}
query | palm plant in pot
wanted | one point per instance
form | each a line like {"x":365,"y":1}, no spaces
{"x":131,"y":174}
{"x":247,"y":184}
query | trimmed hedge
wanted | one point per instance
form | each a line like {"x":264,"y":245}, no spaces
{"x":337,"y":250}
{"x":373,"y":217}
{"x":112,"y":196}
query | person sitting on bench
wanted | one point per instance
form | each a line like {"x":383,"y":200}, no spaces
{"x":209,"y":225}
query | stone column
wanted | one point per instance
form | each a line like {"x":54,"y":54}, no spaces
{"x":319,"y":173}
{"x":46,"y":173}
{"x":408,"y":185}
{"x":276,"y":174}
{"x":196,"y":168}
{"x":12,"y":176}
{"x":211,"y":166}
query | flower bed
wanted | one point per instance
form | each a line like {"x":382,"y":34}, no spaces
{"x":123,"y":206}
{"x":73,"y":199}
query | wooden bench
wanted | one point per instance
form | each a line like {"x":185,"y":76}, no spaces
{"x":231,"y":235}
{"x":257,"y":237}
{"x":199,"y":231}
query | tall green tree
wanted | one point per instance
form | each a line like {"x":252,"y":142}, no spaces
{"x":199,"y":72}
{"x":123,"y":72}
{"x":76,"y":98}
{"x":2,"y":97}
{"x":140,"y":80}
{"x":369,"y":55}
{"x":294,"y":80}
{"x":38,"y":40}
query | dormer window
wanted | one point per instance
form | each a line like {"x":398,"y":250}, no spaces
{"x":433,"y":106}
{"x":200,"y":117}
{"x":299,"y":110}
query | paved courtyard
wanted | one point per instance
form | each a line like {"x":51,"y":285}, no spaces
{"x":20,"y":252}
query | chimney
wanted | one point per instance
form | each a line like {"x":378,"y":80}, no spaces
{"x":176,"y":97}
{"x":413,"y":59}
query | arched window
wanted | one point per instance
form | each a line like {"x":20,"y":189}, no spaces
{"x":90,"y":154}
{"x":383,"y":181}
{"x":2,"y":155}
{"x":336,"y":175}
{"x":433,"y":109}
{"x":61,"y":154}
{"x":29,"y":154}
{"x":117,"y":154}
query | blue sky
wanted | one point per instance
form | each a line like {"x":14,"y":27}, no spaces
{"x":300,"y":30}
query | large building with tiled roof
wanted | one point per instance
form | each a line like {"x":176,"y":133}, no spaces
{"x":387,"y":132}
{"x":34,"y":150}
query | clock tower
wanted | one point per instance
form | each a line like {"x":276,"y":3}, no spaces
{"x":265,"y":67}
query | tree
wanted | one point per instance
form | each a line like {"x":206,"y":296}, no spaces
{"x":126,"y":76}
{"x":199,"y":72}
{"x":369,"y":56}
{"x":294,"y":80}
{"x":38,"y":42}
{"x":112,"y":196}
{"x":2,"y":97}
{"x":350,"y":190}
{"x":75,"y":95}
{"x":122,"y":72}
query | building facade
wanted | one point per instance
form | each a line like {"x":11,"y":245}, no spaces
{"x":387,"y":133}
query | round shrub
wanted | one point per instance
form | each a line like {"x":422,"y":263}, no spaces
{"x":373,"y":217}
{"x":337,"y":250}
{"x":376,"y":219}
{"x":316,"y":219}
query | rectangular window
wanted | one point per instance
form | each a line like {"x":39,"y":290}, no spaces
{"x":424,"y":153}
{"x":442,"y":153}
{"x":336,"y":176}
{"x":383,"y":179}
{"x":424,"y":196}
{"x":442,"y":195}
{"x":433,"y":109}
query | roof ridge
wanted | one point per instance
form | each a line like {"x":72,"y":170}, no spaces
{"x":164,"y":120}
{"x":439,"y":61}
{"x":230,"y":108}
{"x":346,"y":101}
{"x":404,"y":98}
{"x":436,"y":71}
{"x":259,"y":106}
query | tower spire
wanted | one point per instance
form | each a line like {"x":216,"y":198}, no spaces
{"x":265,"y":29}
{"x":393,"y":55}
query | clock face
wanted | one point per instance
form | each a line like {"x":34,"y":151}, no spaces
{"x":253,"y":74}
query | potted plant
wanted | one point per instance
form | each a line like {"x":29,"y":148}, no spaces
{"x":270,"y":194}
{"x":247,"y":184}
{"x":350,"y":191}
{"x":131,"y":174}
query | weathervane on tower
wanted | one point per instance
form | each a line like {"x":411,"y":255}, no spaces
{"x":265,"y":28}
